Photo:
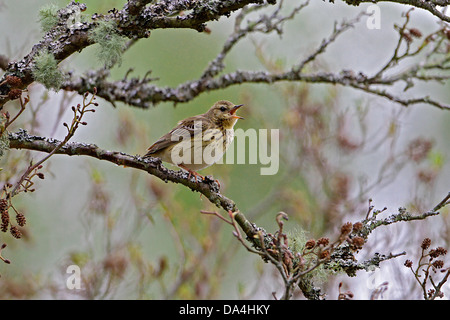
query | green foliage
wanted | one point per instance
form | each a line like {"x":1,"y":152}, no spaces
{"x":48,"y":16}
{"x":111,"y":44}
{"x":45,"y":70}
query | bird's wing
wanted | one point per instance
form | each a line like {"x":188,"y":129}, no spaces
{"x":185,"y":129}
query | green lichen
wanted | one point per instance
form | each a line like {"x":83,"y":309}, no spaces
{"x":297,"y":239}
{"x":45,"y":70}
{"x":111,"y":44}
{"x":48,"y":17}
{"x":4,"y":144}
{"x":4,"y":139}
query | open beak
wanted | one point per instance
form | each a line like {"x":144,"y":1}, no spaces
{"x":233,"y":112}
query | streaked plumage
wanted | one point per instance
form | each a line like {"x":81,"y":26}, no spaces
{"x":212,"y":130}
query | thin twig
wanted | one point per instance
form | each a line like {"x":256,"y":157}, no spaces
{"x":76,"y":121}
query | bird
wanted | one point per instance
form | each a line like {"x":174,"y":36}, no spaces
{"x":198,"y":142}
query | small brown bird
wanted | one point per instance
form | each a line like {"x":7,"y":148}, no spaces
{"x":199,"y":141}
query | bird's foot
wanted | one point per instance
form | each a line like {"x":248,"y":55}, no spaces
{"x":196,"y":174}
{"x":192,"y":173}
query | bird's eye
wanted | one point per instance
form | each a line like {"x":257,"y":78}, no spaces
{"x":223,"y":109}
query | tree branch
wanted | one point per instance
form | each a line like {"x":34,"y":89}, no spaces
{"x":140,"y":93}
{"x":341,"y":250}
{"x":144,"y":95}
{"x":63,"y":40}
{"x":208,"y":187}
{"x":135,"y":7}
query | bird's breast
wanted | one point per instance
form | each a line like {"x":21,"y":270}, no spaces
{"x":229,"y":136}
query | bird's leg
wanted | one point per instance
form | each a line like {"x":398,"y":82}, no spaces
{"x":196,"y":174}
{"x":191,"y":173}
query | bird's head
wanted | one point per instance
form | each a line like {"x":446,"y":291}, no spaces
{"x":224,"y":113}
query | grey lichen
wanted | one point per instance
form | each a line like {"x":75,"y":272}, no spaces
{"x":111,"y":44}
{"x":45,"y":70}
{"x":48,"y":17}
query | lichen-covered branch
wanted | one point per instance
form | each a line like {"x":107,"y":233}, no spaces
{"x":371,"y":223}
{"x":138,"y":18}
{"x":65,"y":35}
{"x":367,"y":226}
{"x":337,"y":255}
{"x":70,"y":35}
{"x":433,"y":67}
{"x":208,"y":187}
{"x":143,"y":95}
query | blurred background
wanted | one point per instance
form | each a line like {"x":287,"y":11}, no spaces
{"x":136,"y":237}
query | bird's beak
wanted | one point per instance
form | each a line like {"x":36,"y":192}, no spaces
{"x":233,"y":112}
